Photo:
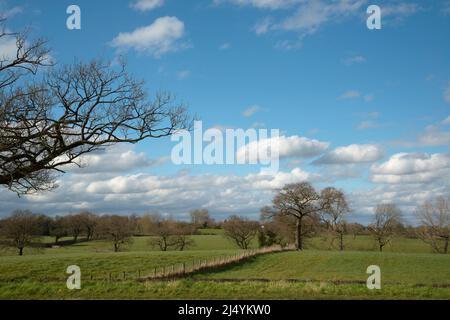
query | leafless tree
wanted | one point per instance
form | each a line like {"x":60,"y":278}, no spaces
{"x":335,"y":207}
{"x":386,"y":219}
{"x":58,"y":228}
{"x":200,"y":217}
{"x":116,"y":229}
{"x":89,"y":222}
{"x":435,"y":219}
{"x":49,"y":119}
{"x":301,"y":201}
{"x":169,"y":234}
{"x":20,"y":230}
{"x":75,"y":225}
{"x":240,"y":230}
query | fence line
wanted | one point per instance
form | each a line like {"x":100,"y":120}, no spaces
{"x":165,"y":272}
{"x":183,"y":269}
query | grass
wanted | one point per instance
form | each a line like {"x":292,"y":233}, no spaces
{"x":396,"y":268}
{"x":408,"y":269}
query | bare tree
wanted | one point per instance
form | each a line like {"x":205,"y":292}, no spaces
{"x":169,"y":234}
{"x":200,"y":217}
{"x":49,"y":120}
{"x":75,"y":225}
{"x":20,"y":230}
{"x":386,"y":220}
{"x":240,"y":230}
{"x":335,"y":207}
{"x":58,"y":228}
{"x":301,"y":201}
{"x":89,"y":222}
{"x":435,"y":219}
{"x":116,"y":229}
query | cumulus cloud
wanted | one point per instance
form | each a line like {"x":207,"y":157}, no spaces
{"x":156,"y":39}
{"x":173,"y":194}
{"x":434,"y":136}
{"x":146,"y":5}
{"x":288,"y":147}
{"x":355,"y":153}
{"x":412,"y":168}
{"x":114,"y":159}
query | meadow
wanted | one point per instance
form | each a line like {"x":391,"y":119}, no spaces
{"x":408,"y":267}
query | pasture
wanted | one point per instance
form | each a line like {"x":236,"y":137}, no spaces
{"x":408,"y":267}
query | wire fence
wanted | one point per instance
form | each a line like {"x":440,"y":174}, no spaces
{"x":167,"y":272}
{"x":188,"y":268}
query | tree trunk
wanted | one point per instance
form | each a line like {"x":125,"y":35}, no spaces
{"x":20,"y":251}
{"x":341,"y":239}
{"x":298,"y":235}
{"x":446,"y":246}
{"x":116,"y":247}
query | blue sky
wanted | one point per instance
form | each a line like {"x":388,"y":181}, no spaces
{"x":378,"y":99}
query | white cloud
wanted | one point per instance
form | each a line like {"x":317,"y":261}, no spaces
{"x":158,"y":38}
{"x":355,"y":153}
{"x":119,"y":158}
{"x":434,"y":136}
{"x":288,"y":147}
{"x":412,"y":168}
{"x":250,"y":111}
{"x":175,"y":194}
{"x":399,"y":10}
{"x":263,"y":26}
{"x":146,"y":5}
{"x":312,"y":15}
{"x":8,"y":48}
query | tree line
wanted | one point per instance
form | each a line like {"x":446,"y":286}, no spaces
{"x":298,"y":212}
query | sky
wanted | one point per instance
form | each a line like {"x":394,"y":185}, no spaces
{"x":366,"y":111}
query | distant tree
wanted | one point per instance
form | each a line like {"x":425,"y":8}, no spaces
{"x":51,"y":116}
{"x":335,"y":207}
{"x":20,"y":230}
{"x":386,"y":220}
{"x":117,"y":230}
{"x":240,"y":230}
{"x":89,"y":222}
{"x":201,"y":218}
{"x":169,"y":234}
{"x":58,"y":228}
{"x":75,"y":224}
{"x":354,"y":229}
{"x":435,"y":219}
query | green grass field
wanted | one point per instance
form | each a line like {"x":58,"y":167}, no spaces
{"x":409,"y":271}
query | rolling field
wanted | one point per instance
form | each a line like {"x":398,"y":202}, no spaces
{"x":312,"y":274}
